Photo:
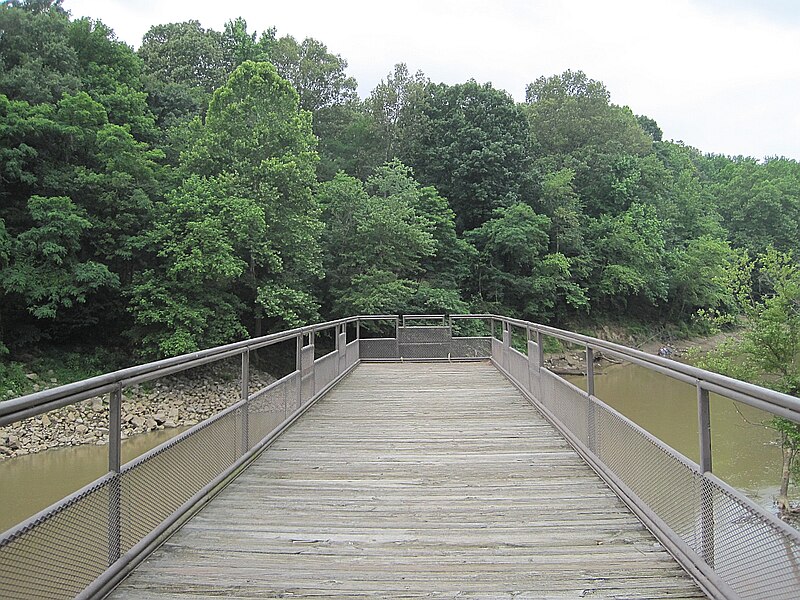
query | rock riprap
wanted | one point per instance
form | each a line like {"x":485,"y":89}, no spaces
{"x":177,"y":401}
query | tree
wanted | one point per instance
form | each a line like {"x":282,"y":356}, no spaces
{"x":561,"y":203}
{"x":182,"y":64}
{"x":204,"y":235}
{"x":373,"y":244}
{"x":329,"y":95}
{"x":770,"y":342}
{"x":256,"y":133}
{"x":574,"y":126}
{"x":45,"y":270}
{"x":317,"y":75}
{"x":38,"y":63}
{"x":473,"y":149}
{"x":395,"y":107}
{"x":627,"y":257}
{"x":700,"y":278}
{"x":760,"y":203}
{"x":515,"y":274}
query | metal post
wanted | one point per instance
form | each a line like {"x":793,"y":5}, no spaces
{"x":706,"y":495}
{"x":312,"y":343}
{"x":244,"y":395}
{"x":539,"y":340}
{"x":114,"y":463}
{"x":591,"y":417}
{"x":299,"y":369}
{"x":115,"y":430}
{"x":506,"y":345}
{"x":704,"y":423}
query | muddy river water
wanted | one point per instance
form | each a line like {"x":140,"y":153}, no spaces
{"x":746,"y":453}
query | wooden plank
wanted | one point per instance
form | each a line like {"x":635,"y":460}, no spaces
{"x":414,"y":481}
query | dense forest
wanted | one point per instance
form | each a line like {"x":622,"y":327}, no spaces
{"x":213,"y":185}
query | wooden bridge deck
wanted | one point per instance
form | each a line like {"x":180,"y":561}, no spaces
{"x":420,"y":480}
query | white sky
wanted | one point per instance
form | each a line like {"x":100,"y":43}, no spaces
{"x":721,"y":75}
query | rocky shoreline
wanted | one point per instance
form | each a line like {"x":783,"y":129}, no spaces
{"x":179,"y":400}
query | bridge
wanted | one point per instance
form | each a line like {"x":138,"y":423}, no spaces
{"x":413,"y":456}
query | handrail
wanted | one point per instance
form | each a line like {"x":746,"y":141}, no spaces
{"x":247,"y":430}
{"x":771,"y":400}
{"x":38,"y":402}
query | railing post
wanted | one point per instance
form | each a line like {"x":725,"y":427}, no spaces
{"x":397,"y":335}
{"x":341,"y":348}
{"x":506,"y":344}
{"x":312,"y":343}
{"x":704,"y":427}
{"x":299,"y":369}
{"x":539,"y":342}
{"x":114,"y":464}
{"x":706,"y":494}
{"x":358,"y":339}
{"x":591,"y":416}
{"x":244,"y":394}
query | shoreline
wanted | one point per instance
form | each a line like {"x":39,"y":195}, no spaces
{"x":180,"y":400}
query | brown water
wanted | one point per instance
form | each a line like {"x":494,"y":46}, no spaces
{"x":33,"y":482}
{"x":746,"y":454}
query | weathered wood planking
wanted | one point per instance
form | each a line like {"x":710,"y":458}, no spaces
{"x":416,"y":481}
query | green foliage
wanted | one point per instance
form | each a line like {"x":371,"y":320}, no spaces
{"x":394,"y":106}
{"x":769,"y":352}
{"x":45,"y":269}
{"x":702,"y":277}
{"x":172,"y":195}
{"x":317,"y":75}
{"x":473,"y":148}
{"x":627,"y":258}
{"x":760,"y":203}
{"x":187,"y":303}
{"x":515,"y":272}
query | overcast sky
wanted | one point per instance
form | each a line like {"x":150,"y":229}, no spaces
{"x":720,"y":75}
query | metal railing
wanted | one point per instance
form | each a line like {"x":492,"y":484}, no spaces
{"x":81,"y":545}
{"x":733,"y":547}
{"x":87,"y":541}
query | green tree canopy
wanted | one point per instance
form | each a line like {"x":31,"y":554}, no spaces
{"x":473,"y":149}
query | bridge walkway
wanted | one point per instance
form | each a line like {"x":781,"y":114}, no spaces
{"x":415,"y":480}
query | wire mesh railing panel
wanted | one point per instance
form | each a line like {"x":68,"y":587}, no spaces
{"x":378,"y":348}
{"x":470,"y":347}
{"x":352,"y":353}
{"x":269,"y":407}
{"x":326,"y":369}
{"x":307,"y":387}
{"x":667,"y":485}
{"x":153,"y":489}
{"x":518,"y":367}
{"x":497,"y":351}
{"x":423,"y":350}
{"x":568,"y":403}
{"x":293,"y":399}
{"x":421,"y":335}
{"x":753,"y":556}
{"x":62,"y":552}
